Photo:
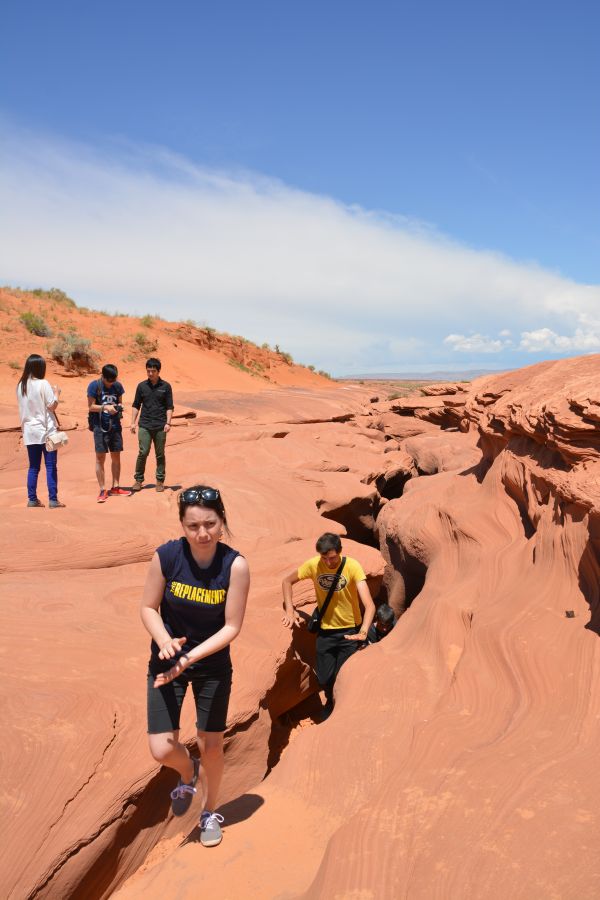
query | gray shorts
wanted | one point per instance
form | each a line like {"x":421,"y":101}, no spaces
{"x":108,"y":441}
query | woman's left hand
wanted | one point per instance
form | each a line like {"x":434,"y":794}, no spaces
{"x":167,"y":677}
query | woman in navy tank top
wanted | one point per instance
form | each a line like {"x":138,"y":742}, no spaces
{"x":193,"y":607}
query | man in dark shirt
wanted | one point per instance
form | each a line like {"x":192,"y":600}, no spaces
{"x":383,"y":623}
{"x":155,"y":398}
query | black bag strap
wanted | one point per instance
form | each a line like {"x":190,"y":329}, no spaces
{"x":330,"y":593}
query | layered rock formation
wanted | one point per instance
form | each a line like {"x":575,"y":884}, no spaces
{"x":460,"y":760}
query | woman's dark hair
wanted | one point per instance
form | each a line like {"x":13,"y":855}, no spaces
{"x":329,"y":541}
{"x":35,"y":366}
{"x":204,"y":496}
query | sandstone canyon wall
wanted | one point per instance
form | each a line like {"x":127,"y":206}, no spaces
{"x":460,"y":760}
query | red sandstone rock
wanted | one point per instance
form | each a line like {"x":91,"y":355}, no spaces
{"x":460,"y":760}
{"x":473,"y":726}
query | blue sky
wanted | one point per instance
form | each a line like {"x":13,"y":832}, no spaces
{"x":423,"y":176}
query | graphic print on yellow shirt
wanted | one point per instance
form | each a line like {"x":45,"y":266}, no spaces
{"x":344,"y":608}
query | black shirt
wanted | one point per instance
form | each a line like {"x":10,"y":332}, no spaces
{"x":193,"y":604}
{"x":155,"y":400}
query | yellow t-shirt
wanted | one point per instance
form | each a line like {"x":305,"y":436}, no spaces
{"x":344,"y":609}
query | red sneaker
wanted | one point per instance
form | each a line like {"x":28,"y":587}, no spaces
{"x":119,"y":492}
{"x":102,"y":496}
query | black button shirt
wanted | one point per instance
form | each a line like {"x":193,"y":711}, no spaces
{"x":155,"y":400}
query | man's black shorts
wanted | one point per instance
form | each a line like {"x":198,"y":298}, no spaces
{"x":211,"y":693}
{"x":109,"y":441}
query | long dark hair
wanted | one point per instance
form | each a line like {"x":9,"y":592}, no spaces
{"x":35,"y":366}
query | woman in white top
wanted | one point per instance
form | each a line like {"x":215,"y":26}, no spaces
{"x":37,"y":402}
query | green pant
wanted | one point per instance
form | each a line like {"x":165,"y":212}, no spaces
{"x":147,"y":437}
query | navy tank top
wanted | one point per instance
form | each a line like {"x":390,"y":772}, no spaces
{"x":193,"y":604}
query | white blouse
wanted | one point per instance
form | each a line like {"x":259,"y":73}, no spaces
{"x":37,"y":421}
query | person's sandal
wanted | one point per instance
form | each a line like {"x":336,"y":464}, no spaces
{"x":182,"y":795}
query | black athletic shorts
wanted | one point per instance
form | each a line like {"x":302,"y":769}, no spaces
{"x":211,"y":693}
{"x":108,"y":441}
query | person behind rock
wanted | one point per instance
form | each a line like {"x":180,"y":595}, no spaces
{"x":37,"y":401}
{"x":342,"y":629}
{"x":193,"y":607}
{"x":104,"y":397}
{"x":155,"y":398}
{"x":384,"y":621}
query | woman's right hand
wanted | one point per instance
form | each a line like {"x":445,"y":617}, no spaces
{"x":171,"y":648}
{"x":291,"y":618}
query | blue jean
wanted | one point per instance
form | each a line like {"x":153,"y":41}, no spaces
{"x":35,"y":452}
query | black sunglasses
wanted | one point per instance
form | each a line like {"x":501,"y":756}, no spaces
{"x":211,"y":495}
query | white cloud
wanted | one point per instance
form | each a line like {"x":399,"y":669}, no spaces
{"x":546,"y":340}
{"x":476,"y":343}
{"x":143,"y":230}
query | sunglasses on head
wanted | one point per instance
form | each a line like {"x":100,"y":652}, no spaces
{"x":211,"y":495}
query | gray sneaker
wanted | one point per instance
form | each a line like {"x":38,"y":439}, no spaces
{"x":181,"y":796}
{"x":210,"y":829}
{"x":34,"y":503}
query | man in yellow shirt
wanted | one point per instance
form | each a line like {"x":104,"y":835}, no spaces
{"x":342,"y":628}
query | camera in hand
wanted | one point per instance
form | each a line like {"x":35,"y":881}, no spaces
{"x":119,"y":410}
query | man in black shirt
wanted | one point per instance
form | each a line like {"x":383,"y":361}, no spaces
{"x":155,"y":398}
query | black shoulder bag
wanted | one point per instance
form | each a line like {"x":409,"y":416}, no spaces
{"x":314,"y":623}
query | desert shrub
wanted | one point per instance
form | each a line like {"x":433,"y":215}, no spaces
{"x":15,"y":365}
{"x":56,"y":295}
{"x":211,"y":334}
{"x":324,"y":373}
{"x":147,"y":321}
{"x":238,"y":365}
{"x":287,"y":357}
{"x":35,"y":324}
{"x":265,"y":346}
{"x":312,"y":368}
{"x":74,"y":353}
{"x":144,"y":343}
